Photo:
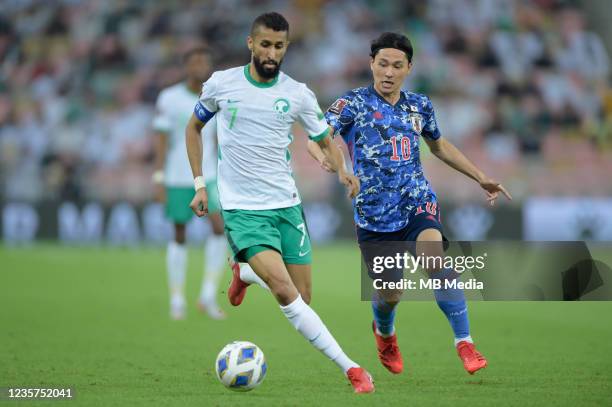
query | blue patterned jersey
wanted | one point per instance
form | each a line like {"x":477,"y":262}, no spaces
{"x":383,"y":141}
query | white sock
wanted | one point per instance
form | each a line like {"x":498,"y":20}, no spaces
{"x":176,"y":264}
{"x":385,"y":335}
{"x":308,"y":323}
{"x":214,"y":254}
{"x":248,"y":276}
{"x":466,"y":339}
{"x":177,"y":301}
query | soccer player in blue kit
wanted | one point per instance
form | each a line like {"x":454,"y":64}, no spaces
{"x":381,"y":125}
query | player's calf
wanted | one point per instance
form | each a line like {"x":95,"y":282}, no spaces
{"x":269,"y":266}
{"x":282,"y":288}
{"x":301,"y":276}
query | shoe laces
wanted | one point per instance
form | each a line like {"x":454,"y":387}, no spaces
{"x":391,"y":349}
{"x":358,"y":380}
{"x":468,"y":351}
{"x":355,"y":376}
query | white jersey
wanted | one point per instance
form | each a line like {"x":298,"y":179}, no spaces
{"x":174,"y":108}
{"x":254,"y":123}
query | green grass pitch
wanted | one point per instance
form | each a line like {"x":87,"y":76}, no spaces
{"x":97,"y":319}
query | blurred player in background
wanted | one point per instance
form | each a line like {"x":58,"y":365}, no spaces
{"x":382,"y":125}
{"x":174,"y":185}
{"x":256,"y":106}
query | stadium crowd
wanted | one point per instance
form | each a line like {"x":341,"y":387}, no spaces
{"x":522,"y":87}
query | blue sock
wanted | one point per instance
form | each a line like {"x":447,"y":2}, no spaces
{"x":384,"y":314}
{"x":452,"y":303}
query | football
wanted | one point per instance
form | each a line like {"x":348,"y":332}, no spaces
{"x":241,"y":366}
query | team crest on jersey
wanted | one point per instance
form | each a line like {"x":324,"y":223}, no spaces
{"x":337,"y":106}
{"x":281,"y":106}
{"x":417,"y":122}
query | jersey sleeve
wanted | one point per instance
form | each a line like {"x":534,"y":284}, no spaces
{"x":207,"y":105}
{"x":430,"y":129}
{"x":161,"y":121}
{"x":311,"y":117}
{"x":340,"y":115}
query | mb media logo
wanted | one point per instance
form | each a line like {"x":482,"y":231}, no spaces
{"x":281,"y":107}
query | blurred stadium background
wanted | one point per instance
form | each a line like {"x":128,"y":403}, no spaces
{"x":522,"y":87}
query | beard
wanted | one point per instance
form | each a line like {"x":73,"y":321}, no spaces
{"x":198,"y":78}
{"x":266,"y":72}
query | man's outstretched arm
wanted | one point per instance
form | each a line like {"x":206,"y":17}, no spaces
{"x":447,"y":152}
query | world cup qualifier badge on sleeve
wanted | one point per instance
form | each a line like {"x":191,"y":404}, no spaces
{"x":337,"y":106}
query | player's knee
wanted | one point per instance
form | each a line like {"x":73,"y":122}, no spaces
{"x":433,"y":255}
{"x":434,"y":265}
{"x":392,"y":298}
{"x":393,"y":302}
{"x":430,"y":246}
{"x":433,"y":270}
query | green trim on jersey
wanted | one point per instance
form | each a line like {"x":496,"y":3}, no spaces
{"x":256,"y":83}
{"x":321,"y":136}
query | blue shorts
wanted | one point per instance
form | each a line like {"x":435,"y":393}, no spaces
{"x":426,"y":216}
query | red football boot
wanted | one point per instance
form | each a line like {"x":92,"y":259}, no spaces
{"x":471,"y":358}
{"x":360,"y":380}
{"x":388,"y":352}
{"x":237,"y":288}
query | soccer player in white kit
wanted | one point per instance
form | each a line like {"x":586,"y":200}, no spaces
{"x":174,"y":185}
{"x":256,"y":106}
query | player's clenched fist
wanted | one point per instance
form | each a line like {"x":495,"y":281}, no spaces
{"x":199,"y":203}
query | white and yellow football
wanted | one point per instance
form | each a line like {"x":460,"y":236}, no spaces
{"x":241,"y":366}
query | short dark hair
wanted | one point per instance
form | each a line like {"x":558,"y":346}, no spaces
{"x":272,"y":20}
{"x":199,"y":50}
{"x":392,"y":40}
